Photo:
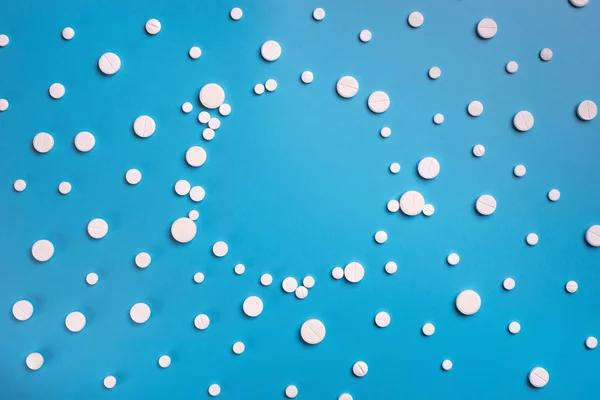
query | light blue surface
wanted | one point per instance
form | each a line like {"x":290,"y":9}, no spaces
{"x":297,"y":182}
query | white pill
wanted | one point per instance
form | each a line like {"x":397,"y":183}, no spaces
{"x":270,"y":85}
{"x":539,"y":377}
{"x":164,"y":361}
{"x":91,"y":278}
{"x":546,"y":54}
{"x":468,"y":302}
{"x":42,"y":250}
{"x":22,"y":310}
{"x":208,"y":134}
{"x":554,"y":195}
{"x":211,"y":96}
{"x":487,"y":28}
{"x":97,"y":228}
{"x":291,"y":391}
{"x":259,"y":88}
{"x":512,"y":67}
{"x":475,"y":108}
{"x":360,"y":369}
{"x":438,"y":119}
{"x":579,"y":3}
{"x":194,"y":52}
{"x":253,"y":306}
{"x":428,"y":168}
{"x":307,"y":77}
{"x":75,"y":321}
{"x":453,"y":259}
{"x":34,"y":361}
{"x":385,"y":132}
{"x":347,"y":86}
{"x":139,"y":313}
{"x":133,"y":176}
{"x":270,"y":50}
{"x":183,"y":230}
{"x":198,"y":277}
{"x":391,"y":267}
{"x":412,"y":203}
{"x":68,"y":33}
{"x":428,"y":210}
{"x":446,"y":365}
{"x":434,"y":72}
{"x":381,"y":237}
{"x":365,"y":35}
{"x":532,"y":239}
{"x":378,"y":102}
{"x":289,"y":284}
{"x":224,"y":109}
{"x":478,"y":150}
{"x":187,"y":107}
{"x":345,"y":396}
{"x":514,"y":327}
{"x":201,"y":322}
{"x":220,"y":249}
{"x":236,"y":14}
{"x":523,"y":121}
{"x":313,"y":331}
{"x":19,"y":185}
{"x":4,"y":40}
{"x":592,"y":235}
{"x":182,"y":187}
{"x":337,"y":273}
{"x":587,"y":110}
{"x":509,"y":284}
{"x":214,"y":123}
{"x":354,"y":272}
{"x":318,"y":14}
{"x":3,"y":104}
{"x":197,"y":193}
{"x":84,"y":141}
{"x":195,"y":156}
{"x":266,"y":279}
{"x":214,"y":390}
{"x":382,"y":319}
{"x":56,"y":90}
{"x":571,"y":286}
{"x":109,"y":63}
{"x":301,"y":292}
{"x":110,"y":382}
{"x":143,"y":260}
{"x":591,"y":342}
{"x":238,"y":348}
{"x":393,"y":206}
{"x":43,"y":142}
{"x":144,"y":126}
{"x":203,"y":117}
{"x":64,"y":188}
{"x":153,"y":26}
{"x":519,"y":171}
{"x":308,"y":281}
{"x":395,"y":168}
{"x":239,"y":269}
{"x":415,"y":19}
{"x":485,"y":205}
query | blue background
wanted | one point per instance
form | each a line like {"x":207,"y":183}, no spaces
{"x":297,"y":182}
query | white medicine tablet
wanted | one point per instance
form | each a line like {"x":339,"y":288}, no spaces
{"x":546,"y":54}
{"x":382,"y":319}
{"x":270,"y":85}
{"x":109,"y":63}
{"x":337,"y":273}
{"x":208,"y":134}
{"x":139,"y":313}
{"x":592,"y":235}
{"x":591,"y":342}
{"x":378,"y":102}
{"x":485,"y":205}
{"x":509,"y":284}
{"x":289,"y":284}
{"x":478,"y":150}
{"x":308,"y":282}
{"x":347,"y":86}
{"x":587,"y":110}
{"x":312,"y":331}
{"x":195,"y":156}
{"x":211,"y":96}
{"x":110,"y":382}
{"x":84,"y":141}
{"x":220,"y":249}
{"x":3,"y":104}
{"x":253,"y":306}
{"x":22,"y":310}
{"x":393,"y":206}
{"x":259,"y":88}
{"x":239,"y":269}
{"x":579,"y":3}
{"x":453,"y":259}
{"x":238,"y":348}
{"x":345,"y":396}
{"x":43,"y":142}
{"x":428,"y":168}
{"x":144,"y":126}
{"x":360,"y":369}
{"x":201,"y":322}
{"x":68,"y":33}
{"x":153,"y":26}
{"x":475,"y":108}
{"x":468,"y":302}
{"x":391,"y":267}
{"x":91,"y":278}
{"x":187,"y":107}
{"x":236,"y":13}
{"x":539,"y":377}
{"x":214,"y":390}
{"x":97,"y":228}
{"x":532,"y":239}
{"x":182,"y":187}
{"x":395,"y":168}
{"x":75,"y":321}
{"x":385,"y":132}
{"x":198,"y":277}
{"x":301,"y":292}
{"x":318,"y":14}
{"x":428,"y":329}
{"x":42,"y":250}
{"x":514,"y":327}
{"x":428,"y":210}
{"x":412,"y":203}
{"x":133,"y":176}
{"x":34,"y":361}
{"x":512,"y":67}
{"x":56,"y":90}
{"x":183,"y":230}
{"x":438,"y":119}
{"x":446,"y":365}
{"x":4,"y":40}
{"x":164,"y":361}
{"x":270,"y":50}
{"x":224,"y":109}
{"x":143,"y":260}
{"x":571,"y":287}
{"x":365,"y":35}
{"x":197,"y":193}
{"x":203,"y":117}
{"x":519,"y":171}
{"x":523,"y":121}
{"x":554,"y":195}
{"x":487,"y":28}
{"x":19,"y":185}
{"x":194,"y":52}
{"x":381,"y":237}
{"x":307,"y":77}
{"x":266,"y":279}
{"x":434,"y":72}
{"x":291,"y":391}
{"x":415,"y":19}
{"x":354,"y":272}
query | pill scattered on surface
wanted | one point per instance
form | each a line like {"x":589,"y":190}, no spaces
{"x":236,"y":13}
{"x":438,"y":119}
{"x":183,"y":230}
{"x":412,"y":203}
{"x":519,"y":171}
{"x":270,"y":85}
{"x":468,"y":302}
{"x":64,"y":188}
{"x":591,"y":342}
{"x":164,"y":361}
{"x":224,"y":109}
{"x":203,"y":117}
{"x":318,"y":14}
{"x":301,"y":292}
{"x":56,"y":90}
{"x":153,"y":26}
{"x":195,"y":52}
{"x":579,"y":3}
{"x":68,"y":33}
{"x":487,"y":28}
{"x":509,"y":284}
{"x":253,"y":306}
{"x":478,"y":150}
{"x":571,"y":287}
{"x":91,"y":278}
{"x":133,"y":176}
{"x":546,"y":54}
{"x":485,"y":204}
{"x":211,"y":96}
{"x":514,"y":327}
{"x":259,"y":88}
{"x":415,"y":19}
{"x":109,"y":63}
{"x":532,"y":239}
{"x":385,"y":132}
{"x":453,"y":259}
{"x":201,"y":322}
{"x":347,"y":87}
{"x":22,"y":310}
{"x":4,"y":40}
{"x":354,"y":272}
{"x":19,"y":185}
{"x":307,"y":77}
{"x":587,"y":110}
{"x":434,"y":72}
{"x":238,"y":348}
{"x":428,"y":210}
{"x":291,"y":391}
{"x":475,"y":108}
{"x":144,"y":126}
{"x":34,"y":361}
{"x":97,"y":228}
{"x":512,"y":67}
{"x":337,"y":273}
{"x":428,"y":168}
{"x":143,"y":260}
{"x":592,"y":235}
{"x":75,"y":321}
{"x":266,"y":279}
{"x":523,"y":121}
{"x":220,"y":249}
{"x":289,"y":284}
{"x":428,"y":329}
{"x":3,"y":104}
{"x":381,"y":237}
{"x":139,"y":313}
{"x":393,"y":206}
{"x":360,"y":369}
{"x":198,"y":277}
{"x":182,"y":187}
{"x":110,"y":382}
{"x":270,"y":50}
{"x":365,"y":35}
{"x":446,"y":365}
{"x":195,"y":156}
{"x":378,"y":102}
{"x":239,"y":269}
{"x":345,"y":396}
{"x":208,"y":134}
{"x":554,"y":195}
{"x":382,"y":319}
{"x":43,"y":142}
{"x":313,"y":331}
{"x":391,"y":267}
{"x":214,"y":390}
{"x":539,"y":377}
{"x":84,"y":141}
{"x":42,"y":250}
{"x":308,"y":282}
{"x":197,"y":194}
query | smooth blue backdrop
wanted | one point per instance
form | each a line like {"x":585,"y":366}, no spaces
{"x":297,"y":182}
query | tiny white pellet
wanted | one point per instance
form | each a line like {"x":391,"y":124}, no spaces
{"x":453,"y":259}
{"x":434,"y":72}
{"x":75,"y":321}
{"x":393,"y":206}
{"x":519,"y":171}
{"x":337,"y":273}
{"x":478,"y":150}
{"x":591,"y":342}
{"x":381,"y":237}
{"x":253,"y":306}
{"x":438,"y":119}
{"x":428,"y":210}
{"x":91,"y":278}
{"x":532,"y":239}
{"x":144,"y":126}
{"x":224,"y":109}
{"x":475,"y":108}
{"x":428,"y":329}
{"x":587,"y":110}
{"x":259,"y":88}
{"x":220,"y":249}
{"x":347,"y":87}
{"x":164,"y":361}
{"x":354,"y":272}
{"x":289,"y":284}
{"x":266,"y":279}
{"x":201,"y":322}
{"x":514,"y":327}
{"x":110,"y":382}
{"x":198,"y":277}
{"x":182,"y":187}
{"x":270,"y":85}
{"x":318,"y":14}
{"x":385,"y":132}
{"x":291,"y":391}
{"x":270,"y":50}
{"x":211,"y":96}
{"x":539,"y":377}
{"x":428,"y":168}
{"x":214,"y":390}
{"x":468,"y":302}
{"x":365,"y":35}
{"x":391,"y":267}
{"x":307,"y":77}
{"x":509,"y":284}
{"x":197,"y":194}
{"x":378,"y":102}
{"x":43,"y":142}
{"x":301,"y":292}
{"x":238,"y":348}
{"x":139,"y":313}
{"x":415,"y":19}
{"x":554,"y":195}
{"x":42,"y":250}
{"x":133,"y":176}
{"x":446,"y":365}
{"x":195,"y":156}
{"x":360,"y":369}
{"x":412,"y":203}
{"x":571,"y":287}
{"x":68,"y":33}
{"x":592,"y":235}
{"x":487,"y":28}
{"x":97,"y":228}
{"x":34,"y":361}
{"x":382,"y":319}
{"x":109,"y":63}
{"x":546,"y":54}
{"x":143,"y":260}
{"x":512,"y":67}
{"x":395,"y":168}
{"x":523,"y":121}
{"x":195,"y":52}
{"x":19,"y":185}
{"x":153,"y":26}
{"x":485,"y":204}
{"x":56,"y":90}
{"x":308,"y":282}
{"x":208,"y":134}
{"x":236,"y":13}
{"x":22,"y":310}
{"x":239,"y":269}
{"x":312,"y":331}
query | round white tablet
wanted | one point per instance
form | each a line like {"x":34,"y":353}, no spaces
{"x":291,"y":391}
{"x":56,"y":90}
{"x":220,"y":249}
{"x":539,"y":377}
{"x":312,"y":331}
{"x":22,"y":310}
{"x":84,"y":141}
{"x":478,"y":150}
{"x":214,"y":390}
{"x":365,"y":35}
{"x":110,"y":382}
{"x":509,"y":284}
{"x":211,"y":96}
{"x":587,"y":110}
{"x":514,"y":327}
{"x":4,"y":40}
{"x":554,"y":195}
{"x":485,"y":205}
{"x":523,"y":121}
{"x":345,"y":396}
{"x":43,"y":142}
{"x":385,"y":132}
{"x":382,"y":319}
{"x":42,"y":250}
{"x":153,"y":26}
{"x":19,"y":185}
{"x":203,"y":117}
{"x":571,"y":286}
{"x":412,"y":203}
{"x":415,"y":19}
{"x":239,"y":347}
{"x":182,"y":187}
{"x":579,"y":3}
{"x":378,"y":102}
{"x":393,"y":206}
{"x":381,"y":237}
{"x":109,"y":63}
{"x":435,"y":72}
{"x":183,"y":230}
{"x":532,"y":239}
{"x":91,"y":278}
{"x":446,"y":365}
{"x":198,"y":277}
{"x":75,"y":321}
{"x":197,"y":193}
{"x":97,"y":228}
{"x":318,"y":14}
{"x":512,"y":67}
{"x":253,"y":306}
{"x":194,"y":52}
{"x":259,"y":88}
{"x":208,"y":134}
{"x":289,"y":284}
{"x":239,"y":269}
{"x":354,"y":272}
{"x":236,"y":13}
{"x":307,"y":77}
{"x":139,"y":313}
{"x":487,"y":28}
{"x":468,"y":302}
{"x":428,"y":210}
{"x":270,"y":50}
{"x":266,"y":279}
{"x":308,"y":282}
{"x":438,"y":119}
{"x":270,"y":85}
{"x":68,"y":33}
{"x":337,"y":273}
{"x":592,"y":235}
{"x":395,"y":168}
{"x":546,"y":54}
{"x":195,"y":156}
{"x":519,"y":171}
{"x":453,"y":259}
{"x":164,"y":361}
{"x":34,"y":361}
{"x":133,"y":176}
{"x":428,"y":329}
{"x":428,"y":168}
{"x":3,"y":104}
{"x":360,"y":369}
{"x":201,"y":321}
{"x":187,"y":107}
{"x":144,"y":126}
{"x":475,"y":108}
{"x":591,"y":342}
{"x":224,"y":109}
{"x":347,"y":86}
{"x":391,"y":267}
{"x":143,"y":260}
{"x":301,"y":292}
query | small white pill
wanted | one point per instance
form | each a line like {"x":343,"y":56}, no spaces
{"x":259,"y":88}
{"x":139,"y":313}
{"x":592,"y":235}
{"x":345,"y":396}
{"x":133,"y":176}
{"x":546,"y":54}
{"x":579,"y":3}
{"x":220,"y":249}
{"x":587,"y":110}
{"x":381,"y":237}
{"x":312,"y":331}
{"x":197,"y":194}
{"x":478,"y":150}
{"x":19,"y":185}
{"x":42,"y":250}
{"x":110,"y":382}
{"x":97,"y":228}
{"x":378,"y":102}
{"x":428,"y":329}
{"x":382,"y":319}
{"x":4,"y":40}
{"x":435,"y":72}
{"x":485,"y":205}
{"x":308,"y":282}
{"x":307,"y":77}
{"x":360,"y":369}
{"x":238,"y":348}
{"x":291,"y":391}
{"x":266,"y":279}
{"x":393,"y":206}
{"x":183,"y":230}
{"x":201,"y":322}
{"x":153,"y":26}
{"x":211,"y":96}
{"x":270,"y":50}
{"x":143,"y":260}
{"x":519,"y":171}
{"x":391,"y":267}
{"x":428,"y":168}
{"x":195,"y":156}
{"x":22,"y":310}
{"x":91,"y":278}
{"x":415,"y":19}
{"x":75,"y":321}
{"x":512,"y":67}
{"x":203,"y":117}
{"x":539,"y":377}
{"x":56,"y":90}
{"x":446,"y":365}
{"x":198,"y":277}
{"x":514,"y":327}
{"x":270,"y":85}
{"x":239,"y":269}
{"x":144,"y":126}
{"x":509,"y":284}
{"x":43,"y":142}
{"x":412,"y":203}
{"x":337,"y":273}
{"x":468,"y":302}
{"x":214,"y":390}
{"x":236,"y":14}
{"x":3,"y":104}
{"x":289,"y":284}
{"x":523,"y":121}
{"x":354,"y":272}
{"x":487,"y":28}
{"x":428,"y":210}
{"x":395,"y":168}
{"x":84,"y":141}
{"x":164,"y":361}
{"x":195,"y":52}
{"x":34,"y":361}
{"x":438,"y":119}
{"x":68,"y":33}
{"x":385,"y":132}
{"x":532,"y":239}
{"x":109,"y":63}
{"x":365,"y":35}
{"x":208,"y":134}
{"x":475,"y":108}
{"x":554,"y":195}
{"x":182,"y":187}
{"x":571,"y":287}
{"x":301,"y":292}
{"x":347,"y":86}
{"x":224,"y":109}
{"x":253,"y":306}
{"x":453,"y":259}
{"x":591,"y":342}
{"x":318,"y":14}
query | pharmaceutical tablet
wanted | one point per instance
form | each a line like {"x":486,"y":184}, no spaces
{"x":468,"y":302}
{"x":68,"y":33}
{"x":4,"y":40}
{"x":554,"y":195}
{"x":22,"y":310}
{"x":43,"y":142}
{"x":546,"y":54}
{"x":238,"y":348}
{"x":34,"y":361}
{"x":75,"y":321}
{"x":434,"y":72}
{"x":289,"y":284}
{"x":395,"y":168}
{"x":571,"y":287}
{"x":266,"y":279}
{"x":382,"y":319}
{"x":214,"y":123}
{"x":203,"y":117}
{"x":97,"y":228}
{"x":360,"y":369}
{"x":307,"y":77}
{"x":345,"y":396}
{"x":523,"y":121}
{"x":532,"y":239}
{"x":198,"y":277}
{"x":164,"y":361}
{"x":301,"y":292}
{"x":453,"y":259}
{"x":109,"y":63}
{"x":485,"y":205}
{"x":253,"y":306}
{"x":347,"y":86}
{"x":197,"y":193}
{"x":19,"y":185}
{"x":224,"y":109}
{"x":308,"y":281}
{"x":42,"y":250}
{"x":64,"y":188}
{"x":539,"y":377}
{"x":446,"y":365}
{"x":478,"y":150}
{"x":591,"y":342}
{"x":412,"y":203}
{"x":312,"y":331}
{"x":110,"y":382}
{"x":512,"y":67}
{"x":139,"y":313}
{"x":291,"y":391}
{"x":354,"y":272}
{"x":487,"y":28}
{"x":195,"y":156}
{"x":475,"y":108}
{"x":214,"y":390}
{"x":84,"y":141}
{"x":220,"y":249}
{"x":211,"y":96}
{"x":259,"y":88}
{"x":208,"y":134}
{"x":143,"y":260}
{"x":587,"y":110}
{"x":579,"y":3}
{"x":144,"y":126}
{"x":236,"y":13}
{"x":428,"y":210}
{"x":56,"y":90}
{"x":519,"y":171}
{"x":183,"y":230}
{"x":415,"y":19}
{"x":385,"y":132}
{"x":391,"y":267}
{"x":365,"y":35}
{"x":428,"y":168}
{"x":194,"y":52}
{"x":318,"y":14}
{"x":270,"y":50}
{"x":381,"y":237}
{"x":378,"y":102}
{"x":133,"y":176}
{"x":153,"y":26}
{"x":438,"y":119}
{"x":514,"y":327}
{"x":91,"y":278}
{"x":509,"y":284}
{"x":201,"y":322}
{"x":592,"y":235}
{"x":337,"y":273}
{"x":182,"y":187}
{"x":3,"y":104}
{"x":270,"y":85}
{"x":187,"y":107}
{"x":393,"y":206}
{"x":239,"y":269}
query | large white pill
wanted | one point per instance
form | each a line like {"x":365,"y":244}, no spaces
{"x":514,"y":327}
{"x":453,"y":259}
{"x":75,"y":321}
{"x":198,"y":277}
{"x":382,"y":319}
{"x":253,"y":306}
{"x":519,"y":171}
{"x":183,"y":230}
{"x":34,"y":361}
{"x":110,"y":382}
{"x":487,"y":28}
{"x":546,"y":54}
{"x":438,"y":119}
{"x":365,"y":35}
{"x":236,"y":14}
{"x":68,"y":33}
{"x":468,"y":302}
{"x":592,"y":235}
{"x":211,"y":96}
{"x":391,"y":267}
{"x":270,"y":50}
{"x":308,"y":281}
{"x":301,"y":292}
{"x":485,"y":204}
{"x":579,"y":3}
{"x":133,"y":176}
{"x":19,"y":185}
{"x":307,"y":77}
{"x":337,"y":273}
{"x":91,"y":278}
{"x":182,"y":187}
{"x":214,"y":390}
{"x":532,"y":239}
{"x":289,"y":284}
{"x":378,"y":102}
{"x":266,"y":279}
{"x":139,"y":313}
{"x":385,"y":132}
{"x":153,"y":26}
{"x":446,"y":365}
{"x":64,"y":188}
{"x":291,"y":391}
{"x":591,"y":342}
{"x":478,"y":150}
{"x":523,"y":121}
{"x":428,"y":168}
{"x":415,"y":19}
{"x":270,"y":85}
{"x":109,"y":63}
{"x":435,"y":72}
{"x":381,"y":237}
{"x":164,"y":361}
{"x":554,"y":195}
{"x":22,"y":310}
{"x":4,"y":40}
{"x":220,"y":249}
{"x":475,"y":108}
{"x":201,"y":321}
{"x":347,"y":86}
{"x":197,"y":193}
{"x":312,"y":331}
{"x":539,"y":377}
{"x":56,"y":90}
{"x":412,"y":203}
{"x":143,"y":260}
{"x":3,"y":104}
{"x":512,"y":67}
{"x":393,"y":206}
{"x":43,"y":142}
{"x":318,"y":14}
{"x":144,"y":126}
{"x":195,"y":52}
{"x":195,"y":156}
{"x":587,"y":110}
{"x":84,"y":141}
{"x":97,"y":228}
{"x":42,"y":250}
{"x":360,"y":369}
{"x":428,"y":210}
{"x":509,"y":284}
{"x":571,"y":287}
{"x":238,"y":347}
{"x":354,"y":272}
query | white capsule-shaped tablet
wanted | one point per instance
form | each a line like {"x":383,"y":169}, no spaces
{"x":266,"y":279}
{"x":393,"y":206}
{"x":453,"y":259}
{"x":360,"y":369}
{"x":571,"y":287}
{"x":220,"y":249}
{"x":478,"y":150}
{"x":252,"y":306}
{"x":140,"y":313}
{"x":468,"y":302}
{"x":22,"y":310}
{"x":539,"y":377}
{"x":42,"y":250}
{"x":34,"y":361}
{"x":446,"y":365}
{"x":195,"y":156}
{"x":84,"y":141}
{"x":378,"y":102}
{"x":211,"y":96}
{"x":514,"y":327}
{"x":512,"y":67}
{"x":382,"y":319}
{"x":390,"y":267}
{"x":532,"y":239}
{"x":97,"y":228}
{"x":337,"y":273}
{"x":554,"y":195}
{"x":64,"y":188}
{"x":68,"y":33}
{"x":415,"y":19}
{"x":434,"y":72}
{"x":201,"y":322}
{"x":523,"y":121}
{"x":110,"y":382}
{"x":56,"y":90}
{"x":109,"y":63}
{"x":381,"y":237}
{"x":347,"y":87}
{"x":509,"y":284}
{"x":412,"y":203}
{"x":591,"y":342}
{"x":546,"y":54}
{"x":307,"y":77}
{"x":75,"y":321}
{"x":312,"y":331}
{"x":144,"y":126}
{"x":43,"y":142}
{"x":270,"y":50}
{"x":519,"y":171}
{"x":428,"y":168}
{"x":153,"y":26}
{"x":592,"y":235}
{"x":428,"y":329}
{"x":587,"y":110}
{"x":485,"y":204}
{"x":487,"y":28}
{"x":354,"y":272}
{"x":438,"y":119}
